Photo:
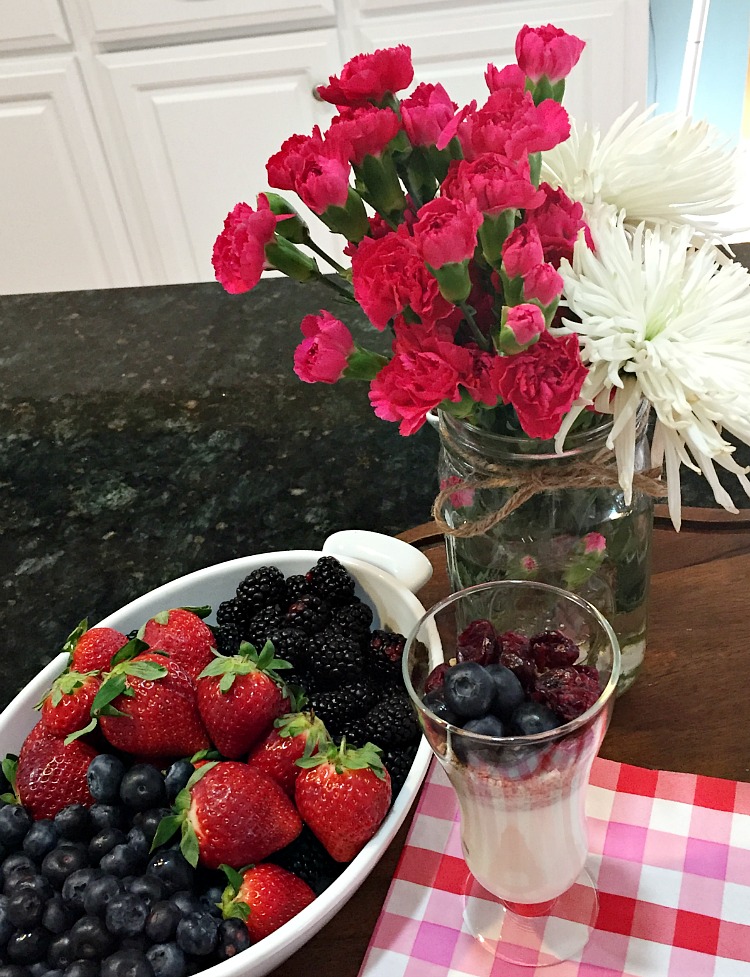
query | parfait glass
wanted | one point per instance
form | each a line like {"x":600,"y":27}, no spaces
{"x":527,"y":895}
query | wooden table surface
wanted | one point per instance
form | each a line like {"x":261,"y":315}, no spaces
{"x":687,"y":710}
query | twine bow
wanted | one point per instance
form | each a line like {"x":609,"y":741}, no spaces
{"x":599,"y":472}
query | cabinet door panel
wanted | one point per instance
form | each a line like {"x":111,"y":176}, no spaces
{"x":200,"y":123}
{"x":611,"y":75}
{"x":60,"y":228}
{"x":26,"y":25}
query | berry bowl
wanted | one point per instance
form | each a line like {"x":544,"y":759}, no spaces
{"x":387,"y":572}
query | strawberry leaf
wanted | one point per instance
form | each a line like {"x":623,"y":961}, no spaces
{"x":108,"y":691}
{"x":235,"y":909}
{"x":202,"y":610}
{"x":189,"y":843}
{"x":133,"y":647}
{"x":226,"y":681}
{"x":9,"y":767}
{"x":200,"y":772}
{"x":9,"y":798}
{"x":209,"y":754}
{"x":72,"y":640}
{"x":88,"y":728}
{"x":150,"y":671}
{"x":217,"y":667}
{"x":233,"y":877}
{"x":182,"y":801}
{"x":168,"y":826}
{"x":162,"y":617}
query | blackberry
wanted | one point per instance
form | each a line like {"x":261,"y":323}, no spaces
{"x":257,"y":628}
{"x":337,"y":707}
{"x":259,"y":589}
{"x":383,"y":656}
{"x":334,"y":659}
{"x":391,"y":722}
{"x":230,"y":612}
{"x":397,"y":761}
{"x":296,"y":586}
{"x":228,"y":637}
{"x":307,"y":858}
{"x":291,"y":645}
{"x":354,"y":619}
{"x":331,"y":580}
{"x":308,"y":613}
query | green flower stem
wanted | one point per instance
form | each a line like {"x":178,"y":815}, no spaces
{"x":340,"y":290}
{"x":326,"y":257}
{"x":481,"y":339}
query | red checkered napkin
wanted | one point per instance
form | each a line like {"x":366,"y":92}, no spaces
{"x":670,"y":854}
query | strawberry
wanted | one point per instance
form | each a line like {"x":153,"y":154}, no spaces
{"x":239,"y":696}
{"x":183,"y":634}
{"x":146,"y":705}
{"x":295,"y":735}
{"x":92,"y":650}
{"x":51,"y":773}
{"x":66,"y":708}
{"x":343,"y":794}
{"x":264,"y":896}
{"x":230,"y":814}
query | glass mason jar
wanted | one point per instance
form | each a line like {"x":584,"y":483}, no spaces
{"x":586,"y":540}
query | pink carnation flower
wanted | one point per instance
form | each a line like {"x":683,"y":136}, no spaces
{"x":542,"y":283}
{"x":522,"y":250}
{"x":594,"y":543}
{"x":323,"y":355}
{"x":446,"y":231}
{"x":558,"y":221}
{"x":239,"y":251}
{"x":492,"y":182}
{"x":425,"y":113}
{"x":370,"y":77}
{"x":411,"y":385}
{"x":547,"y":51}
{"x":316,"y":171}
{"x":510,"y":76}
{"x":526,"y":322}
{"x":360,"y":132}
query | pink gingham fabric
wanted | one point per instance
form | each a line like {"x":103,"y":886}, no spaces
{"x":669,"y":852}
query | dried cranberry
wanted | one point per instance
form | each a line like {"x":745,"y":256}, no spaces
{"x":553,"y":649}
{"x":436,"y":678}
{"x":522,"y":668}
{"x":567,"y":691}
{"x":476,"y":643}
{"x":513,"y":642}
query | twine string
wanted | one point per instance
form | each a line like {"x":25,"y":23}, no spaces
{"x":599,"y":472}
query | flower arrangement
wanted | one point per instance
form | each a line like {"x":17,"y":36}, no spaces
{"x":532,"y":274}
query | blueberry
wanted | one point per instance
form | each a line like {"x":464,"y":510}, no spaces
{"x":161,"y":924}
{"x":82,"y":968}
{"x":126,"y":914}
{"x":197,"y":934}
{"x":98,"y":893}
{"x":172,"y":869}
{"x":142,"y":787}
{"x":14,"y":970}
{"x":509,"y":693}
{"x":90,"y":938}
{"x":210,"y":899}
{"x":485,"y":726}
{"x":167,"y":960}
{"x":62,"y":861}
{"x":15,"y":821}
{"x":176,"y":778}
{"x":187,"y":902}
{"x":533,"y":717}
{"x":122,"y":860}
{"x":17,"y":862}
{"x":468,"y":689}
{"x":74,"y":887}
{"x":233,"y":938}
{"x":6,"y":927}
{"x":73,"y":822}
{"x":149,"y":821}
{"x":148,"y":887}
{"x":25,"y":908}
{"x":104,"y":776}
{"x":126,"y":963}
{"x":57,"y":917}
{"x":28,"y":945}
{"x":104,"y":816}
{"x":138,"y":841}
{"x":435,"y":702}
{"x":41,"y":838}
{"x":39,"y":969}
{"x":104,"y":841}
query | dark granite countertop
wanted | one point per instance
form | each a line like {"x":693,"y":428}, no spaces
{"x":148,"y":432}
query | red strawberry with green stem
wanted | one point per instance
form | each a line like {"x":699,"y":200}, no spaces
{"x":264,"y":896}
{"x":343,"y":794}
{"x":230,"y":814}
{"x":182,"y":633}
{"x":66,"y":708}
{"x":92,"y":649}
{"x":51,"y":773}
{"x":146,"y":705}
{"x":239,"y":696}
{"x":295,"y":735}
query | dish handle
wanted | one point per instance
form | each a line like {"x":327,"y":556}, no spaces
{"x":402,"y":560}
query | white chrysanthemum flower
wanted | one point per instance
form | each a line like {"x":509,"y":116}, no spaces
{"x":663,"y":321}
{"x":653,"y":167}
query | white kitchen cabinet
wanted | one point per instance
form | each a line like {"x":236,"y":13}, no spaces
{"x":40,"y":24}
{"x":196,"y":124}
{"x":60,"y":226}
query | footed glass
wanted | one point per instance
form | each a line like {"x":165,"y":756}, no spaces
{"x":527,"y":896}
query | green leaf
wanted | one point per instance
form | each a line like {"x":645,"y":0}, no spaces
{"x":200,"y":772}
{"x":189,"y":844}
{"x":202,"y":610}
{"x":9,"y":767}
{"x":162,"y":617}
{"x":167,"y":827}
{"x":236,"y":909}
{"x":227,"y":681}
{"x":233,"y":876}
{"x":217,"y":667}
{"x":109,"y":690}
{"x":88,"y":728}
{"x":134,"y":647}
{"x":72,"y":640}
{"x":151,"y":671}
{"x":182,"y":801}
{"x":9,"y":798}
